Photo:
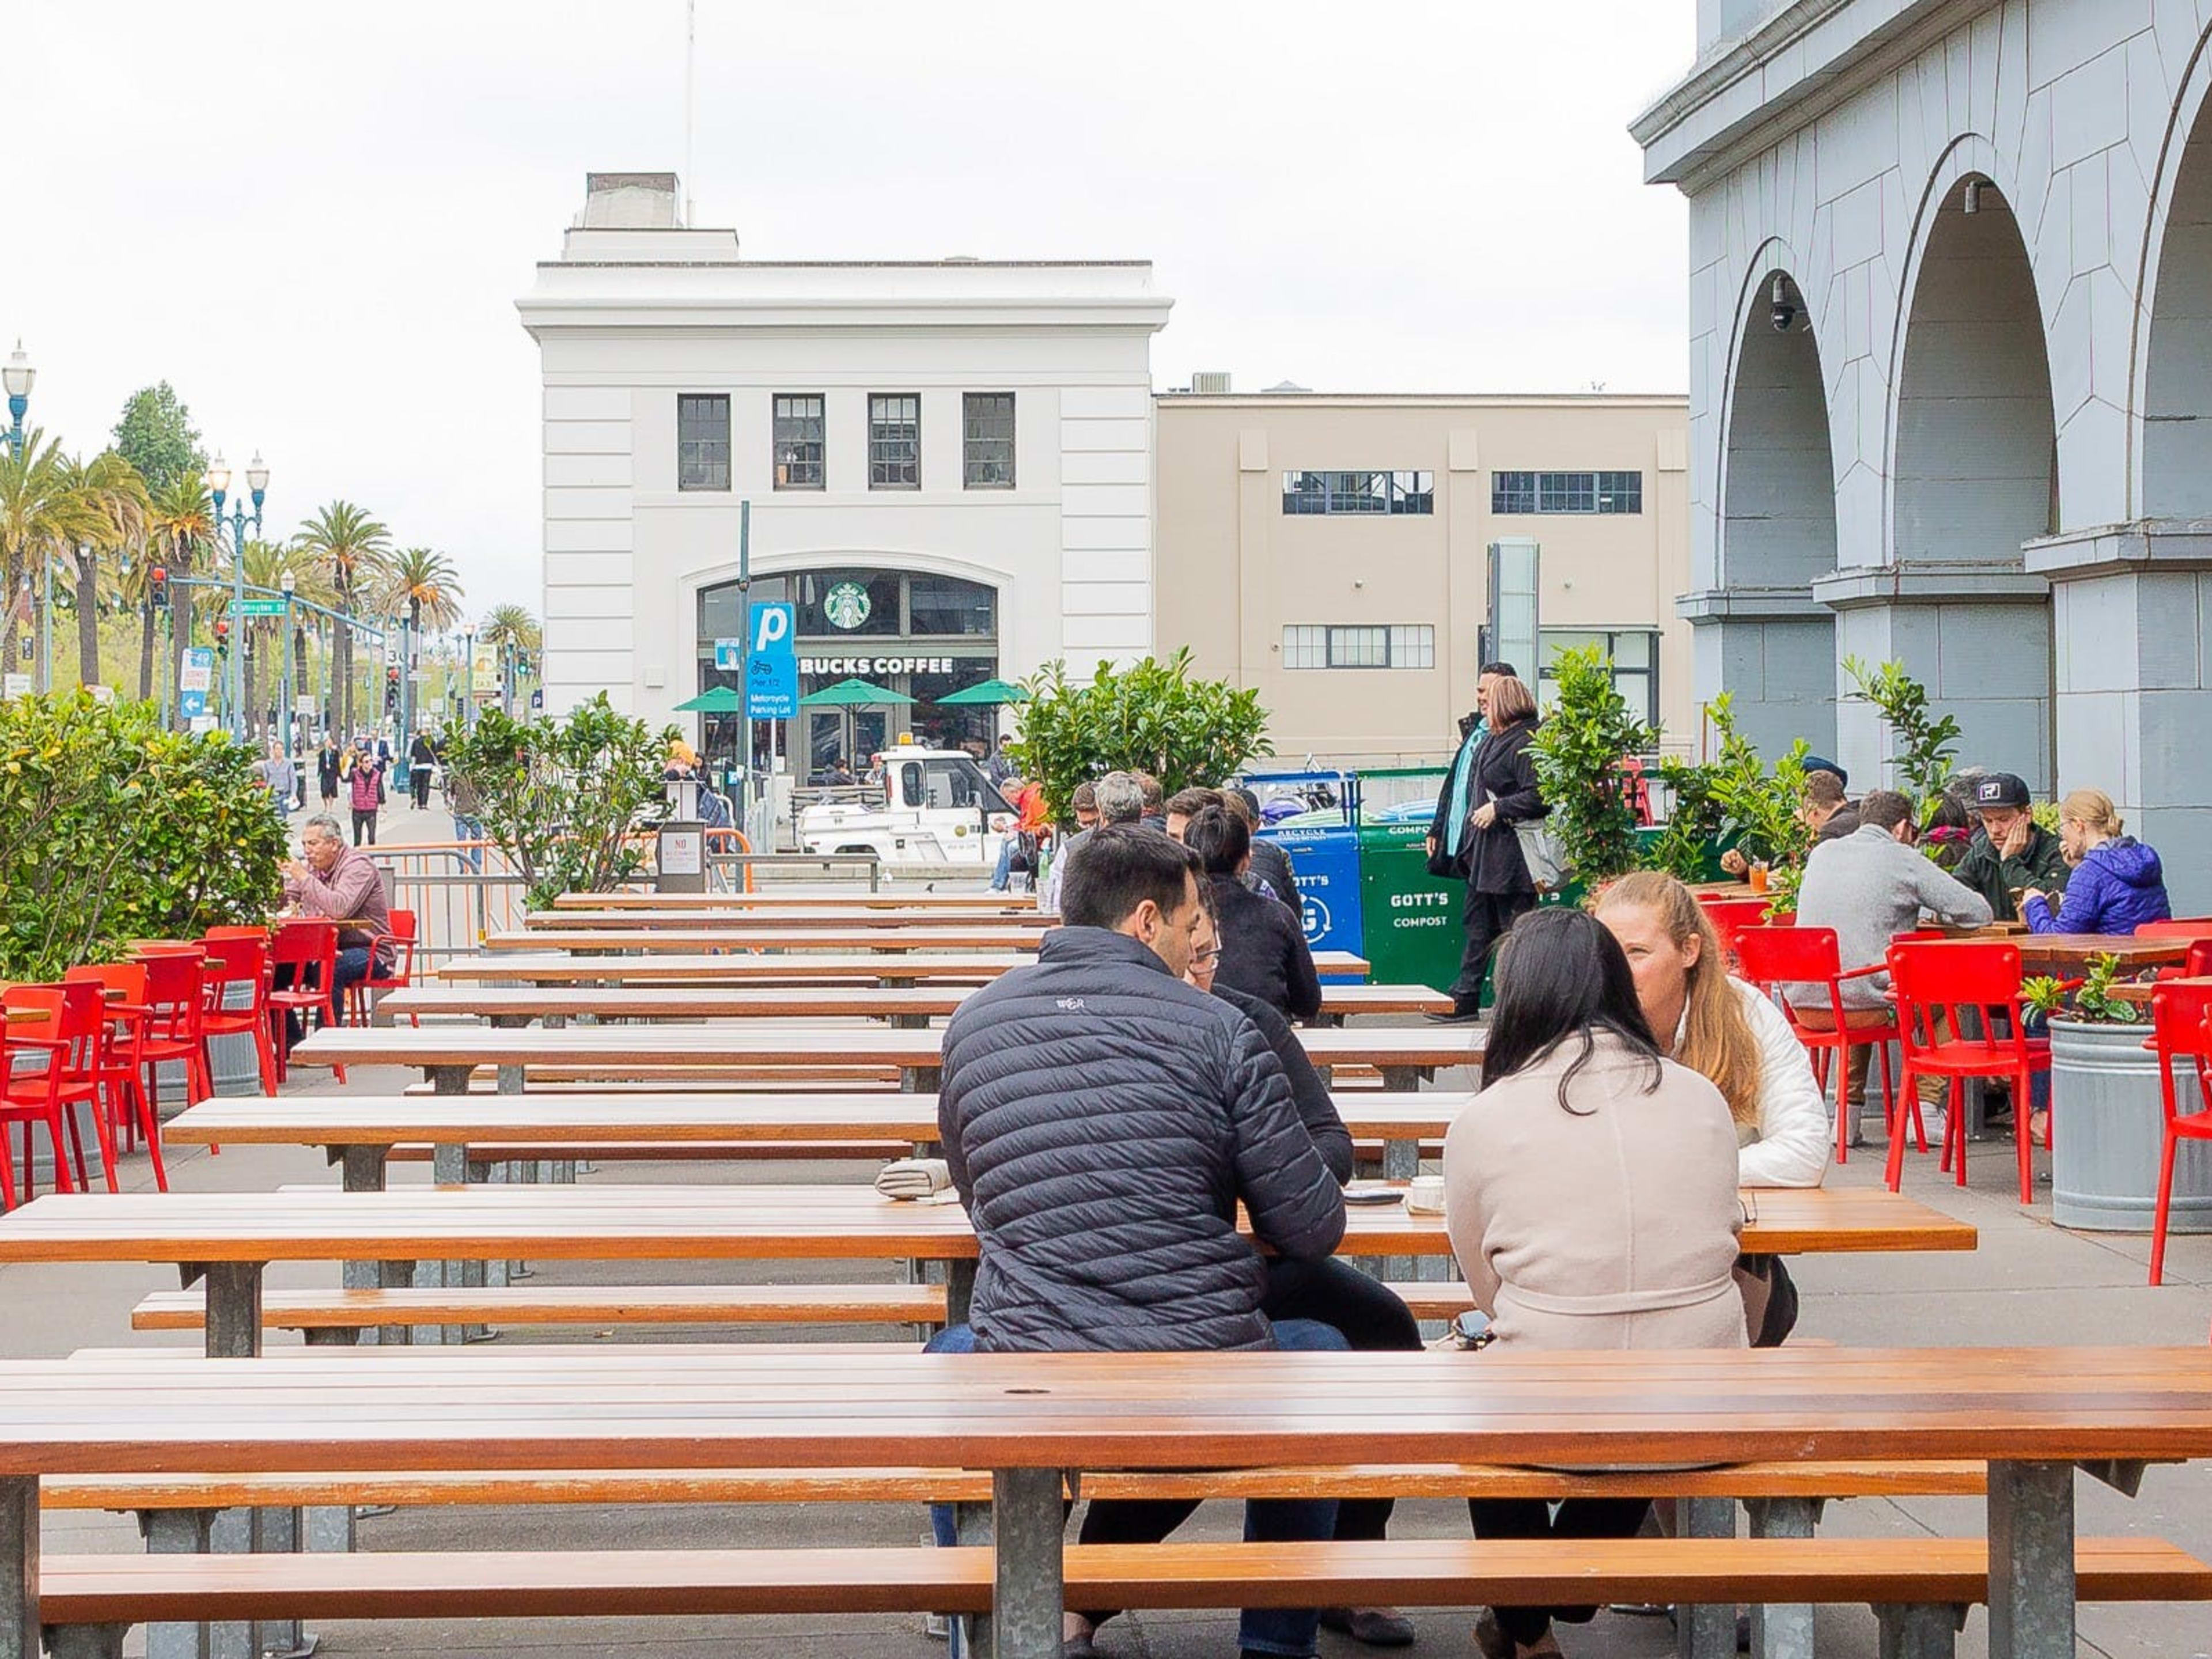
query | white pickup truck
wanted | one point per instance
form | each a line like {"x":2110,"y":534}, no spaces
{"x":937,"y":807}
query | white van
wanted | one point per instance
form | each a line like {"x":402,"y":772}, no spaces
{"x":937,"y":806}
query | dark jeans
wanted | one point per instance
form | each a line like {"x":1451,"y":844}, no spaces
{"x":1371,"y":1319}
{"x":1532,"y":1518}
{"x":1486,"y":917}
{"x":420,"y":777}
{"x":364,"y":822}
{"x":1287,"y":1630}
{"x":352,"y":968}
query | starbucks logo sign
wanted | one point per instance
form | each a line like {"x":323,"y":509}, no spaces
{"x":847,"y":605}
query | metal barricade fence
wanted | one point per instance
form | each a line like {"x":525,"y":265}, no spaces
{"x":459,"y":891}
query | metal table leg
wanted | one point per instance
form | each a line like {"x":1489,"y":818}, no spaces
{"x":1919,"y":1631}
{"x":448,"y":1080}
{"x":959,"y":1289}
{"x":177,"y":1532}
{"x":2031,"y":1560}
{"x":361,"y":1169}
{"x":1782,"y":1630}
{"x":1705,"y":1631}
{"x":1029,"y":1594}
{"x":1401,"y":1159}
{"x":920,"y":1079}
{"x":1402,"y":1079}
{"x":19,"y":1567}
{"x":233,"y":1308}
{"x":450,"y":1167}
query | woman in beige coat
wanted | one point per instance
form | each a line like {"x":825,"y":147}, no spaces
{"x":1590,"y":1194}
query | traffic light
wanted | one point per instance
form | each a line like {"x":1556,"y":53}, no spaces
{"x":391,"y":689}
{"x":222,"y":639}
{"x":157,"y":588}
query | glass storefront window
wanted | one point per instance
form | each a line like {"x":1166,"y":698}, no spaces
{"x":944,"y":604}
{"x":721,"y":616}
{"x":842,"y":604}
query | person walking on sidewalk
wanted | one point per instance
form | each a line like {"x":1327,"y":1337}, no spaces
{"x":421,"y":761}
{"x":366,"y":783}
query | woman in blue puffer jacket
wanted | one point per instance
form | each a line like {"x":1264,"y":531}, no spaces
{"x":2117,"y":884}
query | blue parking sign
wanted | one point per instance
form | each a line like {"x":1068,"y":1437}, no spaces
{"x":772,"y":676}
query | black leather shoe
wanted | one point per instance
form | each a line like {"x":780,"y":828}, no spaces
{"x":1376,"y":1627}
{"x":1461,"y":1014}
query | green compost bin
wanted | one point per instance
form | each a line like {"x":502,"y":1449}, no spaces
{"x":1410,"y":919}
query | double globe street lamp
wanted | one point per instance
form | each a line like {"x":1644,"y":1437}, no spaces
{"x":17,"y":376}
{"x":256,"y":483}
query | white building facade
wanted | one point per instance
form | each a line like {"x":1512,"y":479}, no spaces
{"x":948,"y":468}
{"x":1951,"y":380}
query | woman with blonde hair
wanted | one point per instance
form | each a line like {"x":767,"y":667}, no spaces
{"x":2117,"y":884}
{"x":1724,"y":1030}
{"x":1483,"y":849}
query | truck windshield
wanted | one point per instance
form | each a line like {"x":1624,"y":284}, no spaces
{"x":948,"y":785}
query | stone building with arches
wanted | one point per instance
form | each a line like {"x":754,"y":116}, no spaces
{"x":1951,"y":380}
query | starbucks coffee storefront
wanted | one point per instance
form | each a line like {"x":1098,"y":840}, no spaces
{"x":920,"y":636}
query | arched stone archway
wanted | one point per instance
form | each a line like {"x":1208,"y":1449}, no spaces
{"x":1777,"y":523}
{"x":1971,"y":476}
{"x":2177,"y":439}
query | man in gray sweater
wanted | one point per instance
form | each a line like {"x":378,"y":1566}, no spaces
{"x":1869,"y":886}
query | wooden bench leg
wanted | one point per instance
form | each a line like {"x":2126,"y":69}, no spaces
{"x":1919,"y":1631}
{"x":1705,"y":1631}
{"x":1782,"y":1631}
{"x":88,"y":1641}
{"x":1028,"y":1598}
{"x":2031,"y":1561}
{"x":19,"y":1567}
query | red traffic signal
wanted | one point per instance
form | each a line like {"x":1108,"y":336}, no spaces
{"x":221,"y":629}
{"x":161,"y":575}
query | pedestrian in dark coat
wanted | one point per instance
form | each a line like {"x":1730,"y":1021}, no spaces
{"x":1484,"y":848}
{"x":1263,"y":945}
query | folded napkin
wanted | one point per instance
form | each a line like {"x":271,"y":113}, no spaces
{"x":916,"y":1178}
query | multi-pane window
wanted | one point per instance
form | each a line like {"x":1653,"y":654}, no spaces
{"x":702,"y":442}
{"x":1566,"y":492}
{"x":1633,"y":655}
{"x":798,"y":440}
{"x":1390,"y":494}
{"x":1317,"y":646}
{"x":895,"y":441}
{"x":986,"y":426}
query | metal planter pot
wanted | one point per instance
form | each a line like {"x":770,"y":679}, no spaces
{"x":2107,"y":1129}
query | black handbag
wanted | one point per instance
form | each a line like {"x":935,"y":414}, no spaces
{"x":1781,"y":1316}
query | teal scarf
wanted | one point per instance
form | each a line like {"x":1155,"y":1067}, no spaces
{"x":1461,"y":786}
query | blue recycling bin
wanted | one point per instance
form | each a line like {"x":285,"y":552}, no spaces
{"x":1322,"y":839}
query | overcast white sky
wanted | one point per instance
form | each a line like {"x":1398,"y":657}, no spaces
{"x":312,"y":218}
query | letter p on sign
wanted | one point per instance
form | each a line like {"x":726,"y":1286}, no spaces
{"x":771,"y":626}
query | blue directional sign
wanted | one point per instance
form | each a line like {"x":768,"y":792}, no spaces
{"x":772,"y":676}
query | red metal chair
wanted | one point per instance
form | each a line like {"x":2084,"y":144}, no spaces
{"x":1975,"y":985}
{"x":70,"y":1035}
{"x":1772,"y":958}
{"x":308,"y":946}
{"x":173,"y":1018}
{"x":2179,"y":928}
{"x":2180,"y":1029}
{"x":237,"y":958}
{"x":1730,"y":916}
{"x":122,"y":1072}
{"x":361,"y":993}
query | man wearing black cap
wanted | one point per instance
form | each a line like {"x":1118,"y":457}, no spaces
{"x":2011,"y":851}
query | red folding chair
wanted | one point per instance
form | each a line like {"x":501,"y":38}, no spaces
{"x":68,"y":1034}
{"x":1773,"y":957}
{"x":360,"y":995}
{"x":308,"y":947}
{"x":123,"y":1069}
{"x":1973,"y":985}
{"x":237,"y":961}
{"x":2180,"y":1029}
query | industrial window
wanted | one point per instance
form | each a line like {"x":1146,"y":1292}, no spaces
{"x":702,"y":442}
{"x":1633,"y":654}
{"x":988,"y":440}
{"x":1387,"y":494}
{"x":798,"y":440}
{"x":1566,"y":492}
{"x":895,"y":441}
{"x":1317,"y":646}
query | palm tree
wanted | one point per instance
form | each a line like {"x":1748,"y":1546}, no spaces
{"x":42,"y":511}
{"x":425,"y":585}
{"x":262,"y":638}
{"x":351,"y":550}
{"x":115,"y":496}
{"x":182,"y":517}
{"x":515,"y":633}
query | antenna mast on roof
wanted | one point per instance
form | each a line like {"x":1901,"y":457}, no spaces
{"x":690,"y":53}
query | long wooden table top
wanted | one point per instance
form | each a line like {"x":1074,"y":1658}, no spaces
{"x":785,"y":899}
{"x":514,"y":1408}
{"x":732,"y":1001}
{"x":813,"y":916}
{"x":461,"y":1120}
{"x":746,"y":967}
{"x":761,"y":1043}
{"x":609,"y":1223}
{"x":899,"y":948}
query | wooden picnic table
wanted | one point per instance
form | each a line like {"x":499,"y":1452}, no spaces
{"x":447,"y":1054}
{"x":742,"y":967}
{"x":833,"y":917}
{"x":2068,"y":956}
{"x":781,"y":898}
{"x":901,"y":1005}
{"x":359,"y":1131}
{"x":230,"y":1244}
{"x":2031,"y":1413}
{"x":938,"y":937}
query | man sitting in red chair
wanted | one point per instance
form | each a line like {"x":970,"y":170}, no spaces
{"x":334,"y":880}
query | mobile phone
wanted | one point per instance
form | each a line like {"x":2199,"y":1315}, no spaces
{"x":1361,"y":1192}
{"x":1472,"y":1330}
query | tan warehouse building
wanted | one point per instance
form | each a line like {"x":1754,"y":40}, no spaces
{"x":1332,"y":551}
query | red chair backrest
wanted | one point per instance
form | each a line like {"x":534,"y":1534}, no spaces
{"x":173,"y":993}
{"x":303,"y":943}
{"x":127,"y":977}
{"x":235,"y":959}
{"x":1782,"y":955}
{"x":402,"y":925}
{"x":74,"y":1014}
{"x":261,"y":933}
{"x":1983,"y":975}
{"x":2199,"y":963}
{"x":2181,"y":1028}
{"x":2180,"y":927}
{"x":1731,"y":916}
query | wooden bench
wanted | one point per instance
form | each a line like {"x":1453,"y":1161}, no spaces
{"x":762,"y":899}
{"x":936,"y":938}
{"x":808,"y":918}
{"x":1920,"y":1587}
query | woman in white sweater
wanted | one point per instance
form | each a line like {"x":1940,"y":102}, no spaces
{"x":1724,"y":1030}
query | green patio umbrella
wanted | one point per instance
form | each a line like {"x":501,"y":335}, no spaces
{"x":721,"y":700}
{"x":991,"y":694}
{"x":852,"y":694}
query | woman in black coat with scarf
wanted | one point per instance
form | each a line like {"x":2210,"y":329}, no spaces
{"x":1484,"y":850}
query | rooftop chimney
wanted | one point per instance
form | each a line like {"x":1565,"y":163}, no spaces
{"x":630,"y":201}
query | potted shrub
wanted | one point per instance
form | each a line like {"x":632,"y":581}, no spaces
{"x":1577,"y":751}
{"x":2106,"y":1117}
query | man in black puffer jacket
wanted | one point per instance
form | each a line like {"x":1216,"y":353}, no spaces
{"x":1103,"y":1120}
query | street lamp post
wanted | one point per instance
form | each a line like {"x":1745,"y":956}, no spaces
{"x":285,"y":723}
{"x":17,"y":376}
{"x":256,"y":483}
